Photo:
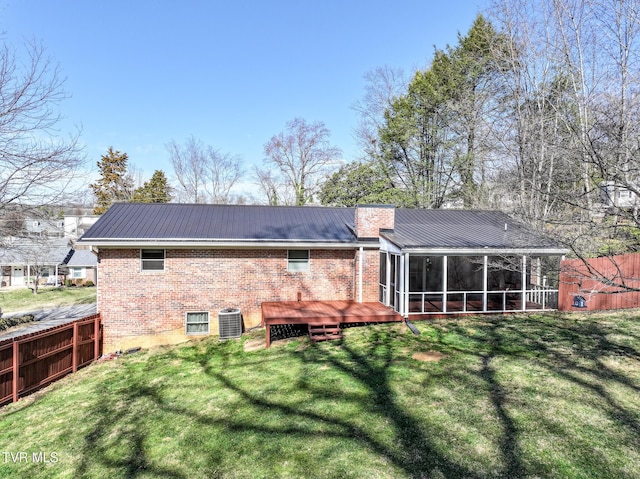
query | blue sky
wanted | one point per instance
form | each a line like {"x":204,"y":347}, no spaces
{"x":231,"y":73}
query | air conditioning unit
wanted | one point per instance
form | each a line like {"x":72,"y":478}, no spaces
{"x":230,"y":323}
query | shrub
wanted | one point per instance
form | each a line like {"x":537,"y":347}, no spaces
{"x":8,"y":322}
{"x":68,"y":283}
{"x":89,"y":284}
{"x":79,"y":282}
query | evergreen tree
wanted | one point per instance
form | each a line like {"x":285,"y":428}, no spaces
{"x":156,"y":190}
{"x":361,"y":183}
{"x":115,"y":184}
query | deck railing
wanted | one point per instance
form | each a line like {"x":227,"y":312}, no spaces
{"x":538,"y":298}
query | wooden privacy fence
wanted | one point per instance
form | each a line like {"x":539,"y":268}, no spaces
{"x":600,"y":283}
{"x":35,"y":360}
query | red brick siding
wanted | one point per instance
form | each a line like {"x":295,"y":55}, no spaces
{"x":143,"y":308}
{"x":369,"y":220}
{"x":370,"y":274}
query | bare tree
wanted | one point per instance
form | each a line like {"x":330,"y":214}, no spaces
{"x":302,"y":154}
{"x":205,"y":175}
{"x":223,"y":172}
{"x":37,"y":165}
{"x":272,"y":187}
{"x":383,"y":86}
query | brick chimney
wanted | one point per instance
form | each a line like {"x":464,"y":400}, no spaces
{"x":371,"y":218}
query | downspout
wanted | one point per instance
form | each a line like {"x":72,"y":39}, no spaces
{"x":360,"y":259}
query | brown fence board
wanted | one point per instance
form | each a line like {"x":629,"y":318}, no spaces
{"x":605,"y":283}
{"x":34,"y":360}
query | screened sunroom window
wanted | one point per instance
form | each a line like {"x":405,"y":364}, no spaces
{"x":152,"y":259}
{"x":197,"y":323}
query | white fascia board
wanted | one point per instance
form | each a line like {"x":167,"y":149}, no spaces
{"x":240,"y":244}
{"x":486,"y":251}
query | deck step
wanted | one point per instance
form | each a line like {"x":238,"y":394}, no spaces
{"x":324,"y":331}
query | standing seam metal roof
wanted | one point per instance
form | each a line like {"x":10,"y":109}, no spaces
{"x":222,"y":222}
{"x":462,"y":229}
{"x":414,"y":228}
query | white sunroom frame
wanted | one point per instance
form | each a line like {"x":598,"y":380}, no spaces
{"x":537,"y":294}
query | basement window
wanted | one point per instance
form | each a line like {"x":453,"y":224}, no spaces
{"x":197,"y":323}
{"x":152,"y":259}
{"x":298,"y":260}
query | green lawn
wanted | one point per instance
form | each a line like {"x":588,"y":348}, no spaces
{"x":22,"y":299}
{"x":514,"y":396}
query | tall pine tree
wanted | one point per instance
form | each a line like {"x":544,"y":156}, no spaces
{"x":115,"y":184}
{"x":156,"y":190}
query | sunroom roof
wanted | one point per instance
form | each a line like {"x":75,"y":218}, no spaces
{"x":464,"y":230}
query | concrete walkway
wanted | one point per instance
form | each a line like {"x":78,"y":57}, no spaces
{"x":47,"y":318}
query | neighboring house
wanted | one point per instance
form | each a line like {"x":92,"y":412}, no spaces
{"x":42,"y":227}
{"x":48,"y":261}
{"x":43,"y":248}
{"x":81,"y":265}
{"x":614,"y":195}
{"x":76,"y":225}
{"x":24,"y":260}
{"x":166,"y":270}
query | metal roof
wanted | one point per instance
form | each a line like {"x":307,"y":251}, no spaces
{"x":136,"y":223}
{"x":463,"y":229}
{"x":173,"y":221}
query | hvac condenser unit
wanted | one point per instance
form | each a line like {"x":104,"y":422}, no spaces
{"x":230,"y":323}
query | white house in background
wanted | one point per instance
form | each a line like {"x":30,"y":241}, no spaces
{"x":49,"y":261}
{"x":44,"y":248}
{"x":76,"y":225}
{"x":81,"y":264}
{"x":613,"y":195}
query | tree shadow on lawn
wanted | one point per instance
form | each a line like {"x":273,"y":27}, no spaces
{"x":573,"y":350}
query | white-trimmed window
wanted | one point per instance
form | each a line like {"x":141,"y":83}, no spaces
{"x":152,"y":260}
{"x":197,"y":323}
{"x":298,"y":260}
{"x":76,"y":273}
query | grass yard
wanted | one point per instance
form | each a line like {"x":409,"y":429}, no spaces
{"x":536,"y":396}
{"x":22,"y":299}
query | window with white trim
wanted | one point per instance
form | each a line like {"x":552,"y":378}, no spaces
{"x":298,"y":260}
{"x":152,"y":260}
{"x":76,"y":273}
{"x":197,"y":323}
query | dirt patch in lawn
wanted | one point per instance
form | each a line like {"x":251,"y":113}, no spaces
{"x":428,"y":356}
{"x":255,"y":344}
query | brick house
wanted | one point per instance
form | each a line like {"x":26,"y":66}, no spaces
{"x":166,"y":270}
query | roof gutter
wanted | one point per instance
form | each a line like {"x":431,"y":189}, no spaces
{"x":484,"y":251}
{"x":229,"y":244}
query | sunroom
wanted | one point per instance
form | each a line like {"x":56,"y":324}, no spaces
{"x":487,"y":264}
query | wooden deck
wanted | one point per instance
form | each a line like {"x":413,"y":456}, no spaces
{"x":324,"y":313}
